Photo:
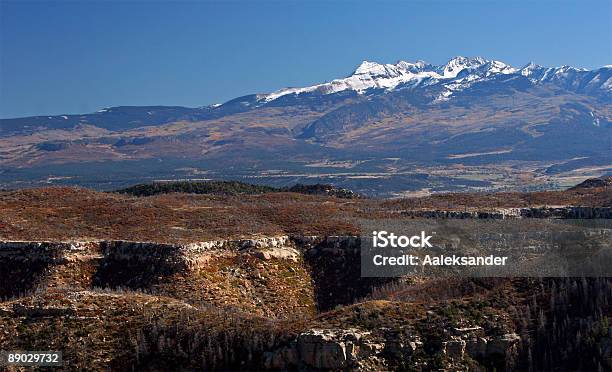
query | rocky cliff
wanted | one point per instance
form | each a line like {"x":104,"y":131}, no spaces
{"x":325,"y":270}
{"x":565,"y":212}
{"x":309,"y":308}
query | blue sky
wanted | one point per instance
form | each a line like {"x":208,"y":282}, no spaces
{"x":79,"y":56}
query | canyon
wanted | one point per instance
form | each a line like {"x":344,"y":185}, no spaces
{"x":271,"y":281}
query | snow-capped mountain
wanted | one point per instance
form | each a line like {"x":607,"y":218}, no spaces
{"x":470,"y":111}
{"x":575,"y":79}
{"x":369,"y":75}
{"x":457,"y":74}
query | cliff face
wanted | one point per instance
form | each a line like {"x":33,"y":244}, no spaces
{"x":25,"y":266}
{"x":279,"y":302}
{"x":248,"y":273}
{"x":278,"y":277}
{"x":161,"y":268}
{"x":566,"y":212}
{"x":340,"y":349}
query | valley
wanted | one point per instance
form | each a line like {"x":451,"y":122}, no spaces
{"x":472,"y":124}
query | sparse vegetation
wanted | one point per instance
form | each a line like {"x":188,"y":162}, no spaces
{"x":64,"y":213}
{"x":237,"y":308}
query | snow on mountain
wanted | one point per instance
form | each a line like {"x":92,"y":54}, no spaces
{"x":532,"y":71}
{"x":457,"y":74}
{"x":369,"y":75}
{"x":469,"y":73}
{"x":457,"y":64}
{"x":575,"y":79}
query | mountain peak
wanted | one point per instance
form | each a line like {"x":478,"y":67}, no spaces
{"x":368,"y":67}
{"x":459,"y":63}
{"x":410,"y":66}
{"x":532,"y":70}
{"x":457,"y":74}
{"x":463,"y":60}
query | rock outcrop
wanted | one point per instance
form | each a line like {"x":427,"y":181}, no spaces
{"x":504,"y":345}
{"x":565,"y":212}
{"x":87,"y":264}
{"x":326,"y":349}
{"x":354,"y":349}
{"x":328,"y":269}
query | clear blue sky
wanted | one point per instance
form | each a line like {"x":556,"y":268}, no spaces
{"x":76,"y":57}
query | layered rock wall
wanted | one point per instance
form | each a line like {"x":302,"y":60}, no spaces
{"x":566,"y":212}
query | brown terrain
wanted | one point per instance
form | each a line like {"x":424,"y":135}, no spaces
{"x":272,"y":281}
{"x":65,"y":213}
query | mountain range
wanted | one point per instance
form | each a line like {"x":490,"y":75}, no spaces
{"x":384,"y":129}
